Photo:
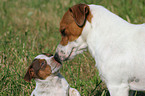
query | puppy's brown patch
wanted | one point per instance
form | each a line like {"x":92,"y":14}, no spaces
{"x":73,"y":21}
{"x":38,"y":69}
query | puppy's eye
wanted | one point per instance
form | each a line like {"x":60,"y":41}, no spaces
{"x":42,"y":63}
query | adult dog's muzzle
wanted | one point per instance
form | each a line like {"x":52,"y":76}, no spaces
{"x":56,"y":57}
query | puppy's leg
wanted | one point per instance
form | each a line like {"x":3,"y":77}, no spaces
{"x":118,"y":90}
{"x":73,"y":92}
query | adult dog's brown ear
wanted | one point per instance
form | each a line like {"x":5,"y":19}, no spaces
{"x":79,"y":13}
{"x":29,"y":75}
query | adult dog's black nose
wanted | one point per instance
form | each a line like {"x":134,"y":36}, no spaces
{"x":56,"y":57}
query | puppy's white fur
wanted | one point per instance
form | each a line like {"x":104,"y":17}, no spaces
{"x":52,"y":86}
{"x":118,"y":48}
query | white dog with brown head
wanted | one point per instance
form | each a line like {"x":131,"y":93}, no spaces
{"x":49,"y":82}
{"x":117,"y":46}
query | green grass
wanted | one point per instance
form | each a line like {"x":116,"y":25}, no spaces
{"x":31,"y":27}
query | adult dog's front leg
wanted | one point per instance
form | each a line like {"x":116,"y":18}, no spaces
{"x":118,"y":90}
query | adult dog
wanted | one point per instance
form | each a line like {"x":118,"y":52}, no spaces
{"x":117,"y":46}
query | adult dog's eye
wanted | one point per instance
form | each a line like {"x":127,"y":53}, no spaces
{"x":63,"y":32}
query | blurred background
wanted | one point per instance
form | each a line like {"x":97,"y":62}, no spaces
{"x":31,"y":27}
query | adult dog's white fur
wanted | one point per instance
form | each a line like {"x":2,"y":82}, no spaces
{"x":118,"y":48}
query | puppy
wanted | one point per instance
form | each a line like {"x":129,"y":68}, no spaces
{"x":49,"y":82}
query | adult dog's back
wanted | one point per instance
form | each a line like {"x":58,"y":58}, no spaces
{"x":119,"y":51}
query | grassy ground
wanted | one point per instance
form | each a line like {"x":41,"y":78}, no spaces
{"x":30,"y":27}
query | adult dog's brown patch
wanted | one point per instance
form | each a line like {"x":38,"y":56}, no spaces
{"x":73,"y":21}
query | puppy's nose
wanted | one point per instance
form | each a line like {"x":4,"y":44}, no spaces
{"x":56,"y":57}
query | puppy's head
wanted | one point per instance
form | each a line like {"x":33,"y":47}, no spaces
{"x":42,"y":66}
{"x":71,"y":27}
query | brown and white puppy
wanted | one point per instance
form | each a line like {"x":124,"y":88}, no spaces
{"x":117,"y":46}
{"x":49,"y":82}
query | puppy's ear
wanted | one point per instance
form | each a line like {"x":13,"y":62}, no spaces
{"x":79,"y":13}
{"x":29,"y":75}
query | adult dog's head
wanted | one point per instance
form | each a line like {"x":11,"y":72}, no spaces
{"x":71,"y":29}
